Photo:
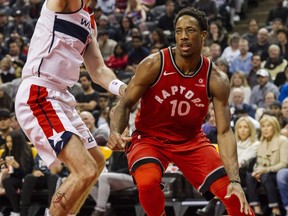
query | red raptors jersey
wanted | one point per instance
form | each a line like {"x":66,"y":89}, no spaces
{"x":174,"y":107}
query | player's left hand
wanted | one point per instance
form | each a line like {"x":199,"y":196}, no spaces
{"x":236,"y":189}
{"x":117,"y":142}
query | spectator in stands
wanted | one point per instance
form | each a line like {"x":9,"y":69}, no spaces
{"x":126,"y":26}
{"x":224,"y":66}
{"x":14,"y":50}
{"x":243,"y":61}
{"x":275,"y":63}
{"x":282,"y":183}
{"x":41,"y":178}
{"x":104,"y":26}
{"x":21,"y":25}
{"x":284,"y":118}
{"x":269,"y":99}
{"x":276,"y":25}
{"x":106,"y":44}
{"x":251,"y":34}
{"x":156,"y":38}
{"x":22,"y":6}
{"x":136,"y":12}
{"x":5,"y":100}
{"x":120,"y":6}
{"x":231,"y":51}
{"x":256,"y":65}
{"x":217,"y":34}
{"x":102,"y":107}
{"x":4,"y":23}
{"x":165,"y":21}
{"x":137,"y":54}
{"x":238,"y":80}
{"x":4,"y":6}
{"x":18,"y":156}
{"x":247,"y":145}
{"x":262,"y":44}
{"x":264,"y":85}
{"x":35,"y":9}
{"x":238,"y":105}
{"x":279,"y":11}
{"x":282,"y":36}
{"x":7,"y":71}
{"x":215,"y":52}
{"x":272,"y":155}
{"x":118,"y":60}
{"x":209,"y":127}
{"x":5,"y":126}
{"x":281,"y":78}
{"x":107,"y":6}
{"x":89,"y":98}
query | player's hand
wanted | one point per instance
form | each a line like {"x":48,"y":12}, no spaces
{"x":236,"y":189}
{"x":117,"y":142}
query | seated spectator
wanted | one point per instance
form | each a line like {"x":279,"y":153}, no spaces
{"x":5,"y":126}
{"x":282,"y":36}
{"x":166,"y":20}
{"x":89,"y":98}
{"x":209,"y":127}
{"x":223,"y":66}
{"x":156,"y":38}
{"x":279,"y":11}
{"x":256,"y":65}
{"x":105,"y":26}
{"x":238,"y":105}
{"x":259,"y":91}
{"x":7,"y":71}
{"x":251,"y":34}
{"x":275,"y":63}
{"x":247,"y":145}
{"x":243,"y":61}
{"x":106,"y":44}
{"x":137,"y":54}
{"x":261,"y":46}
{"x":41,"y":178}
{"x":276,"y":26}
{"x":217,"y":34}
{"x":136,"y":12}
{"x":231,"y":51}
{"x":5,"y":99}
{"x":284,"y":87}
{"x":272,"y":155}
{"x":215,"y":52}
{"x":238,"y":80}
{"x":18,"y":158}
{"x":208,"y":6}
{"x":282,"y":183}
{"x":118,"y":60}
{"x":126,"y":26}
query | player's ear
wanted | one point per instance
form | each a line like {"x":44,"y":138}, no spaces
{"x":204,"y":34}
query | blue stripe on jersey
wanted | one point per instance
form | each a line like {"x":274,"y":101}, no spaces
{"x":71,"y":29}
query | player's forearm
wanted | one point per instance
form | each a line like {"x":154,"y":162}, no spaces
{"x":228,"y":153}
{"x":121,"y":118}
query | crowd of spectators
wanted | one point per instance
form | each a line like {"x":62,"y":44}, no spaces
{"x":256,"y":63}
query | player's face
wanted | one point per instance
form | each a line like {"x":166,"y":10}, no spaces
{"x":189,"y":37}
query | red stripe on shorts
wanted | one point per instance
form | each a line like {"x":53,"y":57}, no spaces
{"x":44,"y":111}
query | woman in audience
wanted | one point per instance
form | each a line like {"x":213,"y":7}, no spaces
{"x":19,"y":160}
{"x":118,"y":61}
{"x":238,"y":80}
{"x":136,"y":12}
{"x":247,"y":145}
{"x":217,"y":34}
{"x":272,"y":155}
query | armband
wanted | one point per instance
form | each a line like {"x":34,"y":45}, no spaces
{"x":235,"y":181}
{"x":114,"y":86}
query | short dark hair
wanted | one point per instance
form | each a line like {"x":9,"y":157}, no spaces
{"x":85,"y":74}
{"x":199,"y":15}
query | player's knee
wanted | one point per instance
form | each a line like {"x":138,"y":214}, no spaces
{"x":89,"y":172}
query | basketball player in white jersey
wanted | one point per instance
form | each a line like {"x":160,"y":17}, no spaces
{"x":64,"y":37}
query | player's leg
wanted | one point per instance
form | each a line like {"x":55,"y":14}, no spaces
{"x":83,"y":174}
{"x":100,"y":161}
{"x":148,"y":180}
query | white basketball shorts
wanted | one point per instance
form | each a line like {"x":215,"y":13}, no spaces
{"x":46,"y":112}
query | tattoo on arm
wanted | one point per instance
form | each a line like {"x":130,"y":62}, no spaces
{"x":59,"y":200}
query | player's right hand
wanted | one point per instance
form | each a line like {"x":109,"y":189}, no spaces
{"x":117,"y":142}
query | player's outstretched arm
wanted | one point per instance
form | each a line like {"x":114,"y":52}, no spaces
{"x":99,"y":72}
{"x":146,"y":73}
{"x":220,"y":90}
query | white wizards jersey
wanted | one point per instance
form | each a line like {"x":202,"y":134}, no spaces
{"x":57,"y":45}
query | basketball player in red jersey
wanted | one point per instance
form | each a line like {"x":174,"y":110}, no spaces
{"x":176,"y":86}
{"x":64,"y":38}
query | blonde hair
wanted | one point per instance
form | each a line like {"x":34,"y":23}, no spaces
{"x":273,"y":121}
{"x":242,"y":77}
{"x":252,"y":130}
